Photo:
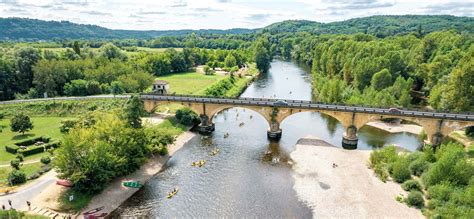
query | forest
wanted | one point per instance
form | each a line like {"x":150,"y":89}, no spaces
{"x":395,"y":61}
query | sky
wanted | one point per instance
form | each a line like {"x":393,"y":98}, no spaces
{"x":219,"y":14}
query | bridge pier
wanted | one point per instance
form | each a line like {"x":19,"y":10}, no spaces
{"x":274,"y":133}
{"x":206,"y":127}
{"x":436,"y":139}
{"x":349,"y":140}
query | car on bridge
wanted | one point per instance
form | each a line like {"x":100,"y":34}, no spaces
{"x":394,"y":110}
{"x":280,"y":103}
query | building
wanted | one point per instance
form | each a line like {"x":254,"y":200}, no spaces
{"x":160,"y":87}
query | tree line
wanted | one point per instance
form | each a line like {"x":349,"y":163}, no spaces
{"x":27,"y":72}
{"x":413,"y":69}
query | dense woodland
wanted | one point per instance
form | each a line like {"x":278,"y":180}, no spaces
{"x":400,"y":61}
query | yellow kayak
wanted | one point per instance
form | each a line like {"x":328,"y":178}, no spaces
{"x":172,"y":193}
{"x":215,"y":152}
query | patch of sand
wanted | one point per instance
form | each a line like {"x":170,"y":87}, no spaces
{"x":397,"y":128}
{"x":350,"y":190}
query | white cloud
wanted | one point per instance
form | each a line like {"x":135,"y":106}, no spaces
{"x":219,"y":14}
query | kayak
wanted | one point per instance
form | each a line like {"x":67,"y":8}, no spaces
{"x":132,"y":184}
{"x":171,"y":194}
{"x":215,"y":151}
{"x":198,"y":163}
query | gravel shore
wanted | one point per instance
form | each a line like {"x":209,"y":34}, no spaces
{"x":350,"y":190}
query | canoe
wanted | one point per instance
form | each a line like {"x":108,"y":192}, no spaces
{"x":132,"y":184}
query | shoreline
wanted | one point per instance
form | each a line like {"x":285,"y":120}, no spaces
{"x":116,"y":194}
{"x":350,"y":190}
{"x":396,"y":128}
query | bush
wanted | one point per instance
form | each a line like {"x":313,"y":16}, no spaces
{"x":441,"y":191}
{"x":386,"y":155}
{"x":39,"y":149}
{"x":30,"y":141}
{"x":16,"y":177}
{"x":186,"y":116}
{"x":419,"y":166}
{"x":34,"y":176}
{"x":382,"y":172}
{"x":20,"y":157}
{"x":451,"y":167}
{"x":401,"y":172}
{"x":15,"y":164}
{"x":12,"y":149}
{"x":67,"y":124}
{"x":45,"y":160}
{"x":415,"y":198}
{"x":412,"y":185}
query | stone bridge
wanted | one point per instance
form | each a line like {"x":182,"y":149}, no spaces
{"x":436,"y":124}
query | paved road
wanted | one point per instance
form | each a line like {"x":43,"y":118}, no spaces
{"x":66,"y":98}
{"x":301,"y":104}
{"x":28,"y":192}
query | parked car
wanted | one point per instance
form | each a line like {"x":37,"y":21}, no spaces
{"x":394,"y":110}
{"x":280,"y":103}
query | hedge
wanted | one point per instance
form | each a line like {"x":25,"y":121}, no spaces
{"x":12,"y":149}
{"x":30,"y":141}
{"x":39,"y":149}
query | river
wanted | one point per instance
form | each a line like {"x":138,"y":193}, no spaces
{"x":251,"y":176}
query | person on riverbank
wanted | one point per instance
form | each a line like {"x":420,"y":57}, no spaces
{"x":10,"y":203}
{"x":29,"y":205}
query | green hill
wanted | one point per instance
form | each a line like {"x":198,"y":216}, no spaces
{"x":24,"y":29}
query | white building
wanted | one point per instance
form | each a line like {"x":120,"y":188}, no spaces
{"x":160,"y":87}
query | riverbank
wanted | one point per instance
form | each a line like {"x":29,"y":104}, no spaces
{"x":115,"y":194}
{"x":397,"y":128}
{"x":350,"y":190}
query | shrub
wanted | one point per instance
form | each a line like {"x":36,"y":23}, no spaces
{"x":20,"y":157}
{"x":415,"y":198}
{"x":30,"y":141}
{"x":12,"y":149}
{"x":419,"y":166}
{"x":16,"y":177}
{"x":45,"y":160}
{"x":412,"y":185}
{"x":39,"y":149}
{"x":441,"y":191}
{"x":385,"y":155}
{"x":401,"y":172}
{"x":15,"y":164}
{"x":186,"y":116}
{"x":451,"y":166}
{"x":67,"y":124}
{"x":34,"y":176}
{"x":382,"y":172}
{"x":2,"y":115}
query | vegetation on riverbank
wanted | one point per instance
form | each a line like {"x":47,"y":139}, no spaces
{"x":444,"y":178}
{"x":233,"y":86}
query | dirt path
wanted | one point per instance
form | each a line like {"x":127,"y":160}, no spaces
{"x":350,"y":190}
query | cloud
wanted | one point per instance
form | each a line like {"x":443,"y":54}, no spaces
{"x":73,"y":2}
{"x":459,"y":8}
{"x":258,"y":17}
{"x":224,"y":1}
{"x":96,"y":13}
{"x":179,"y":4}
{"x":208,"y":9}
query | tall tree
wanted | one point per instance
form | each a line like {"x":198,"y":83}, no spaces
{"x":21,"y":123}
{"x":134,"y":110}
{"x":26,"y":58}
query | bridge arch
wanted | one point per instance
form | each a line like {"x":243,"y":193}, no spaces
{"x":213,"y":111}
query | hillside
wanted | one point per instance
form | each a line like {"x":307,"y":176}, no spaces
{"x":378,"y":25}
{"x":31,"y":29}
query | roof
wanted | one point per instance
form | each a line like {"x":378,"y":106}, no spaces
{"x":160,"y":82}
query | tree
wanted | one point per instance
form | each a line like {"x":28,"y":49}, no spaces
{"x":27,"y":57}
{"x":116,"y":87}
{"x":16,"y":177}
{"x":186,"y":116}
{"x":77,"y":48}
{"x":208,"y":70}
{"x":21,"y":123}
{"x":134,"y":110}
{"x":15,"y":164}
{"x":110,"y":51}
{"x":381,"y":79}
{"x":230,"y":61}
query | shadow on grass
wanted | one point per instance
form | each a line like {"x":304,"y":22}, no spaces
{"x":21,"y":137}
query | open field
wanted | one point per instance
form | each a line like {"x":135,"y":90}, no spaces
{"x":42,"y":126}
{"x":190,"y":83}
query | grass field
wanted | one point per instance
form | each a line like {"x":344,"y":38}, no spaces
{"x":190,"y":83}
{"x":42,"y":126}
{"x":139,"y":49}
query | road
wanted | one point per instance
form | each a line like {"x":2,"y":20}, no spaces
{"x":28,"y":192}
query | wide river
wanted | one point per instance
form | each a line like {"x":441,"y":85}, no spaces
{"x":251,"y":176}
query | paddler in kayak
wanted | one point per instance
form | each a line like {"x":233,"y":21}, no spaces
{"x":172,"y":193}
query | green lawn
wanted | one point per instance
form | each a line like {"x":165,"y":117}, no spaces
{"x":28,"y":169}
{"x":42,"y":126}
{"x":190,"y":83}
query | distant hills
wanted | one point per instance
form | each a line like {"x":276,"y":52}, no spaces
{"x":24,"y":29}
